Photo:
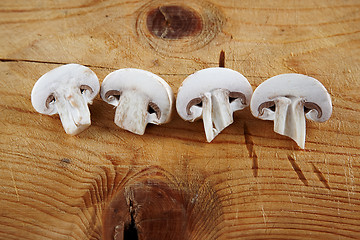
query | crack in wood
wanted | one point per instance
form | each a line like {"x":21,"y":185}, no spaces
{"x":320,"y":176}
{"x":130,"y":229}
{"x":255,"y":166}
{"x":248,"y":140}
{"x":250,"y":147}
{"x":298,"y":170}
{"x":222,"y":59}
{"x":51,"y":62}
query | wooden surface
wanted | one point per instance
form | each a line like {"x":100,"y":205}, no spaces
{"x":249,"y":183}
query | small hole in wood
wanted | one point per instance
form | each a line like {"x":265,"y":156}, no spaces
{"x":65,"y":160}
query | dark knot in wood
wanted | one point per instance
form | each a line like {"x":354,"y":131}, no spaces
{"x":173,"y":22}
{"x":176,"y":26}
{"x":154,"y":205}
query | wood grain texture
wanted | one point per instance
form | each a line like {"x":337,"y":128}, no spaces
{"x":249,"y":183}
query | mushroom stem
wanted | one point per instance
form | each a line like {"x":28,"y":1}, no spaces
{"x":290,"y":119}
{"x":132,"y":112}
{"x":73,"y":110}
{"x":217,"y":113}
{"x":210,"y":132}
{"x":222,"y":113}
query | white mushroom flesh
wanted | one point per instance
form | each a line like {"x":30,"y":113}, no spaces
{"x":287,"y":99}
{"x":132,"y":112}
{"x":217,"y":114}
{"x":213,"y":88}
{"x":67,"y":90}
{"x":73,"y":109}
{"x":290,"y":119}
{"x":140,"y":97}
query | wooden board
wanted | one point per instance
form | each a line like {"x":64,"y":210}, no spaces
{"x":249,"y":183}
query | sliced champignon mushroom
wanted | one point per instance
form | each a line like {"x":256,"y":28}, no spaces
{"x":140,"y":97}
{"x":287,"y":99}
{"x":213,"y":94}
{"x":67,"y":90}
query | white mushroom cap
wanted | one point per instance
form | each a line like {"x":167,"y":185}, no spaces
{"x":67,"y":90}
{"x":220,"y":91}
{"x":286,"y":98}
{"x":310,"y":90}
{"x":133,"y":92}
{"x":63,"y":77}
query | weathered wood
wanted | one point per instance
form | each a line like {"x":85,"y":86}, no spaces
{"x":169,"y":183}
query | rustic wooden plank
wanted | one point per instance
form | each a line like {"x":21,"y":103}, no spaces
{"x":169,"y":183}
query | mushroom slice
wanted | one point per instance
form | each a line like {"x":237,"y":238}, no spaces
{"x":67,"y":90}
{"x":287,"y":99}
{"x":213,"y":94}
{"x":140,"y":97}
